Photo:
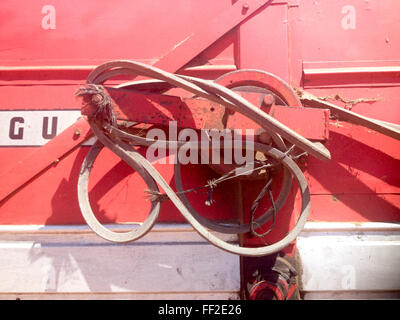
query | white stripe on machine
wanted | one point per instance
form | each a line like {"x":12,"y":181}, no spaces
{"x":33,"y":127}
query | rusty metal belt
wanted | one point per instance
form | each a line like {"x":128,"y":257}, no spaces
{"x":109,"y":135}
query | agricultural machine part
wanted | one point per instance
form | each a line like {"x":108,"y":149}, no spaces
{"x":274,"y":277}
{"x":273,"y":89}
{"x":240,"y":99}
{"x":213,"y":92}
{"x":104,"y":125}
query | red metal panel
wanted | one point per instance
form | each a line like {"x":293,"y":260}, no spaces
{"x":116,"y":193}
{"x":351,"y":74}
{"x":201,"y":114}
{"x":90,"y":32}
{"x":264,"y":41}
{"x":313,"y":43}
{"x":342,"y":32}
{"x":39,"y":98}
{"x":74,"y":39}
{"x":337,"y":52}
{"x":68,"y":50}
{"x":363,"y":162}
{"x":200,"y":39}
{"x":51,"y":153}
{"x":345,"y":30}
{"x":352,"y":207}
{"x":305,"y":121}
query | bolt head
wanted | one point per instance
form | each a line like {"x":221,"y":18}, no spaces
{"x":269,"y":100}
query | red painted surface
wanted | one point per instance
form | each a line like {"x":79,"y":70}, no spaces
{"x":33,"y":163}
{"x":303,"y":42}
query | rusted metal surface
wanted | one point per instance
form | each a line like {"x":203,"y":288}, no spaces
{"x":349,"y":116}
{"x":200,"y":114}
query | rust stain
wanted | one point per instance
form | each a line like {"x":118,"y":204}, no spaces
{"x":349,"y":103}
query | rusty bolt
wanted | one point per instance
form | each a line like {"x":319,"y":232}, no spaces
{"x":269,"y":100}
{"x":77,"y":132}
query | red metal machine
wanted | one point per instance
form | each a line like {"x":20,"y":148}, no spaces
{"x":315,"y":81}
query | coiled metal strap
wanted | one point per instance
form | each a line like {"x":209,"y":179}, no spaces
{"x":148,"y":172}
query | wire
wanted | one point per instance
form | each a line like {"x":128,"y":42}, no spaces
{"x":255,"y":205}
